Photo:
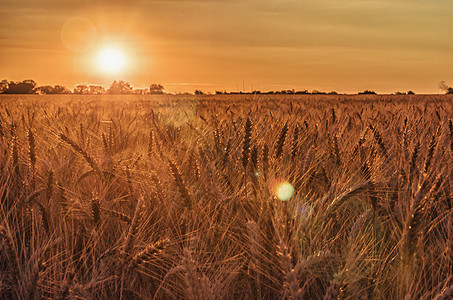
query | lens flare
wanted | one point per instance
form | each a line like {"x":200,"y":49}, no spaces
{"x":285,"y":191}
{"x":178,"y":113}
{"x":281,"y":189}
{"x":78,"y":34}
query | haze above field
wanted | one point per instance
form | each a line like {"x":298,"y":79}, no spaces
{"x":347,"y":46}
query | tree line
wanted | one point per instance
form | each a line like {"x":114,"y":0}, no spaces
{"x":30,"y":86}
{"x":117,"y":87}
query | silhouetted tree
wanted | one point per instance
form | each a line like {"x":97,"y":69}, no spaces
{"x":81,"y":89}
{"x":284,"y":92}
{"x":447,"y":89}
{"x":50,"y":90}
{"x":302,"y":92}
{"x":141,"y":92}
{"x":3,"y":85}
{"x":96,"y":90}
{"x":45,"y":89}
{"x":316,"y":92}
{"x":199,"y":92}
{"x":367,"y":92}
{"x":156,"y":88}
{"x":25,"y":87}
{"x":410,"y":93}
{"x":59,"y":89}
{"x":120,"y":87}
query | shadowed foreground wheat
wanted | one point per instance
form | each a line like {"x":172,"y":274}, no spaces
{"x":167,"y":197}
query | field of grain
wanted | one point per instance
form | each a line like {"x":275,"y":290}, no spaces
{"x":163,"y":197}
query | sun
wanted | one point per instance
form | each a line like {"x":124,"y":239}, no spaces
{"x":111,"y":61}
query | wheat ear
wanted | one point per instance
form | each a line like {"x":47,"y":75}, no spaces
{"x":129,"y":242}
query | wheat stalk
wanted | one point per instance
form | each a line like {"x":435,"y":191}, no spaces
{"x":129,"y":241}
{"x":246,"y":142}
{"x":331,"y":292}
{"x":294,"y":145}
{"x":450,"y":126}
{"x":31,"y":149}
{"x":119,"y":215}
{"x":414,"y":156}
{"x":150,"y":251}
{"x":96,"y":210}
{"x":336,"y":150}
{"x":66,"y":288}
{"x":177,"y":178}
{"x":378,"y":139}
{"x":431,"y":148}
{"x":12,"y":252}
{"x":348,"y":194}
{"x":281,"y":141}
{"x":82,"y":152}
{"x":445,"y":294}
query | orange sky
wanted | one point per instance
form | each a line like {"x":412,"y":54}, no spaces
{"x":347,"y":45}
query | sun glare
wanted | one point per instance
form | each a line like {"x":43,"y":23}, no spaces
{"x":281,"y":189}
{"x":111,"y":61}
{"x":285,"y":191}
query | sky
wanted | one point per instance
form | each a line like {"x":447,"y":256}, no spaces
{"x":234,"y":45}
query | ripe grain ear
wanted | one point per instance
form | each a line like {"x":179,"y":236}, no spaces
{"x":129,"y":241}
{"x":180,"y":184}
{"x":88,"y":158}
{"x":96,"y":211}
{"x":431,"y":148}
{"x":450,"y":126}
{"x":281,"y":141}
{"x":246,"y":142}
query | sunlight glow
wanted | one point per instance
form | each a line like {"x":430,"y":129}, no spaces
{"x":284,"y":191}
{"x":78,"y":34}
{"x":111,"y":60}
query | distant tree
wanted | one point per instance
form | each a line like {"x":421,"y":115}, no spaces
{"x":50,"y":90}
{"x":332,"y":93}
{"x":316,"y":92}
{"x":3,"y":85}
{"x":29,"y":85}
{"x":59,"y":89}
{"x":156,"y":88}
{"x":199,"y":92}
{"x":25,"y":87}
{"x":400,"y":93}
{"x":120,"y":87}
{"x":81,"y":89}
{"x":96,"y":90}
{"x":45,"y":89}
{"x":302,"y":92}
{"x":410,"y":93}
{"x":447,"y":89}
{"x":367,"y":92}
{"x":141,"y":91}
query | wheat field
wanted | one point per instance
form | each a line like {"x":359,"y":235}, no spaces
{"x":178,"y":197}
